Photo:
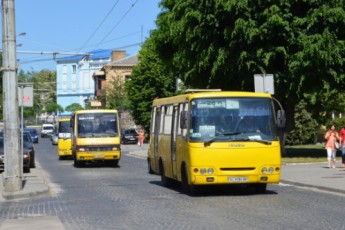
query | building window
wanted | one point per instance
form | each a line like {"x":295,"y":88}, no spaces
{"x":64,"y":78}
{"x":74,"y":68}
{"x":127,"y":77}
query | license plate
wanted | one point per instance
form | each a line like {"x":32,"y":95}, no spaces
{"x":238,"y":179}
{"x":99,"y":157}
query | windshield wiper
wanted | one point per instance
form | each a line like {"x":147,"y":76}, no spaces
{"x":258,"y":140}
{"x":208,"y":142}
{"x":228,"y":134}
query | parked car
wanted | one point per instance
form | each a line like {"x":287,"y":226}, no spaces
{"x":28,"y":144}
{"x":47,"y":130}
{"x":26,"y":156}
{"x":129,"y":135}
{"x":33,"y":133}
{"x":54,"y":138}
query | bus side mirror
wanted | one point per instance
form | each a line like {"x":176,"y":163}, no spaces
{"x":281,"y":119}
{"x":184,"y":120}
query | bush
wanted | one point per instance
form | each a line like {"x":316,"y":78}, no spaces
{"x":305,"y":130}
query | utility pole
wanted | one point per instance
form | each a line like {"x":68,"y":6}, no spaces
{"x":12,"y":176}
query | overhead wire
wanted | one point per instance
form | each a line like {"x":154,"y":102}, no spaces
{"x":99,"y":26}
{"x":112,"y":29}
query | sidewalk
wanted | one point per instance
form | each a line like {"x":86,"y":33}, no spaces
{"x":315,"y":175}
{"x":34,"y":183}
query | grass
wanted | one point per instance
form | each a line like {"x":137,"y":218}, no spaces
{"x":306,"y":154}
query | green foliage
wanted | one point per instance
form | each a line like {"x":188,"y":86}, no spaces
{"x":44,"y":83}
{"x":73,"y":107}
{"x":116,"y":97}
{"x":223,"y":43}
{"x":338,"y":122}
{"x":305,"y":127}
{"x":150,"y":79}
{"x":54,"y":108}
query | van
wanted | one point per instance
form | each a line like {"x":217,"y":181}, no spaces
{"x":47,"y":130}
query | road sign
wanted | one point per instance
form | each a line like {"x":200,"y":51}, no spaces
{"x":25,"y":96}
{"x":264,"y":83}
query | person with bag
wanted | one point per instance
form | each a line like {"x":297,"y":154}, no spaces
{"x":331,"y":137}
{"x":342,"y":145}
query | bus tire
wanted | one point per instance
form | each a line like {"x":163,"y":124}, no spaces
{"x":77,"y":163}
{"x":116,"y":163}
{"x":260,"y":188}
{"x":186,"y":187}
{"x":164,"y":180}
{"x":149,"y":167}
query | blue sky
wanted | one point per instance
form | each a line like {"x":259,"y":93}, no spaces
{"x":70,"y":26}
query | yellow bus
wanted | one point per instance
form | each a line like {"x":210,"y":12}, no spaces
{"x":95,"y":137}
{"x":64,"y":138}
{"x":201,"y":138}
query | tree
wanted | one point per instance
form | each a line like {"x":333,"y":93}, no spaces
{"x":73,"y":107}
{"x":305,"y":131}
{"x":116,"y":97}
{"x":150,"y":79}
{"x":54,"y":108}
{"x":223,"y":43}
{"x":44,"y":83}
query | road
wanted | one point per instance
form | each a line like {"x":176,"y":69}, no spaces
{"x":127,"y":197}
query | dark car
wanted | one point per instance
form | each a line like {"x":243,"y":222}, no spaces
{"x":29,"y":144}
{"x":34,"y":134}
{"x":129,"y":136}
{"x":26,"y":156}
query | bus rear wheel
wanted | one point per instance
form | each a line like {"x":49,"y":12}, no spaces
{"x":166,"y":182}
{"x":149,"y":167}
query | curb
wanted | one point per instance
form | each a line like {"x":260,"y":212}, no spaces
{"x":34,"y":184}
{"x":303,"y":185}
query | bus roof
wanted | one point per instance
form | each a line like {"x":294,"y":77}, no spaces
{"x":96,"y":111}
{"x":64,"y":119}
{"x":190,"y":96}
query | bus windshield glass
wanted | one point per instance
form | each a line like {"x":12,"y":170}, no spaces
{"x":232,"y":119}
{"x":97,"y":125}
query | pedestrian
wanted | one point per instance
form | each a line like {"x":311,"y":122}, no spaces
{"x":331,"y":137}
{"x":342,"y":144}
{"x":141,"y":137}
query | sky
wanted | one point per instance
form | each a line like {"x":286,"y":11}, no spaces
{"x":79,"y":26}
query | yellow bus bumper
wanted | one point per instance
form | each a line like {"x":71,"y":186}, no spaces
{"x":232,"y":179}
{"x":64,"y":152}
{"x":98,"y":156}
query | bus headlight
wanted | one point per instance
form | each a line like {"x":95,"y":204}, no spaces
{"x":271,"y":170}
{"x":264,"y":170}
{"x":210,"y":171}
{"x":202,"y":171}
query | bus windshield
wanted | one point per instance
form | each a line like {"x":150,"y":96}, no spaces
{"x":97,"y":125}
{"x":232,"y":119}
{"x":64,"y":127}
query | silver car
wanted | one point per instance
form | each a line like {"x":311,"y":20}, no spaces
{"x":54,"y":138}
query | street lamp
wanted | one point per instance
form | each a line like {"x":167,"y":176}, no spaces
{"x":21,"y":34}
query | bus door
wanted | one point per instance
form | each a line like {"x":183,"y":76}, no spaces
{"x":156,"y":132}
{"x":174,"y":127}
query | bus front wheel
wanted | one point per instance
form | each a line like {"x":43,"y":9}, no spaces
{"x":186,"y":187}
{"x":260,"y":188}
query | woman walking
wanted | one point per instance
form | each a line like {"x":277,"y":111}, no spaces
{"x":331,"y":136}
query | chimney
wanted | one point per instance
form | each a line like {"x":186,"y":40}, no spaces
{"x":117,"y":55}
